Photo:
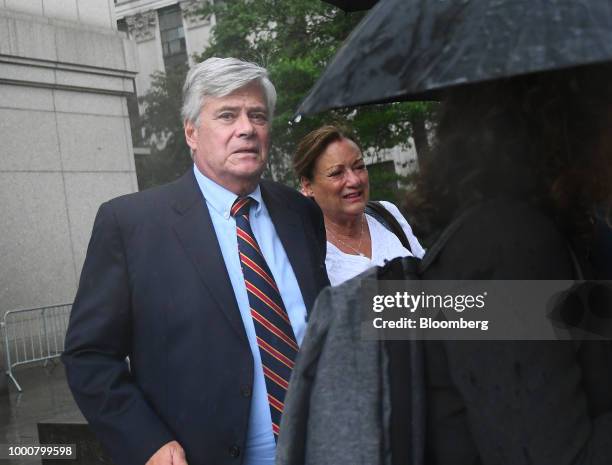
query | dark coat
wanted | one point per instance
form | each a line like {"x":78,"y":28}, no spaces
{"x":462,"y":402}
{"x":514,"y":402}
{"x":154,"y":288}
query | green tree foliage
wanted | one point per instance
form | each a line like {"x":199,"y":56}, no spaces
{"x":162,"y":123}
{"x":294,"y":40}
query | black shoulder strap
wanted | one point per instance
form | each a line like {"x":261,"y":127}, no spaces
{"x":432,"y":253}
{"x":377,"y":211}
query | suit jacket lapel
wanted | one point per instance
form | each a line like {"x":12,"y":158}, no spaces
{"x":196,"y":234}
{"x":291,"y":231}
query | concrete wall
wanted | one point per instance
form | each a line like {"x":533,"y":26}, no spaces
{"x":66,"y":144}
{"x":197,"y":30}
{"x":86,"y":12}
{"x":144,"y":29}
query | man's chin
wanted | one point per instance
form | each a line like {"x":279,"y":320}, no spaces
{"x":248,"y":169}
{"x":248,"y":176}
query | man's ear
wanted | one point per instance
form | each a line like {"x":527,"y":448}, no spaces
{"x":306,"y":187}
{"x":191,"y":135}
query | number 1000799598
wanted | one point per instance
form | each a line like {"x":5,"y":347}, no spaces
{"x":56,"y":451}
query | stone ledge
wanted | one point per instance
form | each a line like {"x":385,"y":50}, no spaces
{"x":66,"y":76}
{"x":21,"y":15}
{"x":72,"y":429}
{"x":45,"y":39}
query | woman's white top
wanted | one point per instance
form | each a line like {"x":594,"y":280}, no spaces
{"x":385,"y":246}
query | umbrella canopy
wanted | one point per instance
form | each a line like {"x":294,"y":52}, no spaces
{"x":352,"y":5}
{"x":410,"y":49}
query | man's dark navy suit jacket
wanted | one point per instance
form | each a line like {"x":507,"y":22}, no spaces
{"x":154,"y":288}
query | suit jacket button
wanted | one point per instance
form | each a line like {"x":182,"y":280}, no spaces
{"x":246,"y":390}
{"x":234,"y":451}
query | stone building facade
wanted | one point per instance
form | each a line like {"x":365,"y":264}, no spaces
{"x":65,"y":73}
{"x":166,"y":32}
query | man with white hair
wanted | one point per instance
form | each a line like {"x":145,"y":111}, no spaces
{"x":205,"y":284}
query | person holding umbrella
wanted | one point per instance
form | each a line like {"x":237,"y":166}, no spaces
{"x":521,"y":161}
{"x":523,"y":155}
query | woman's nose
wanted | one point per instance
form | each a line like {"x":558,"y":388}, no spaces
{"x":352,"y":177}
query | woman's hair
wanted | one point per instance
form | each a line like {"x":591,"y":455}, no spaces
{"x":314,"y":144}
{"x":540,"y":137}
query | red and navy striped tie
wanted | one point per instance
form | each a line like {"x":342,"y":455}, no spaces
{"x":277,"y":344}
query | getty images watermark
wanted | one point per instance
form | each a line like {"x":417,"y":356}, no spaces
{"x":486,"y":310}
{"x":423,"y":303}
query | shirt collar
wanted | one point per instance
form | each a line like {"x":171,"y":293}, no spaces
{"x":219,"y":198}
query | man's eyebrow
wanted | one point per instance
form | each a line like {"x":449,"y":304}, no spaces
{"x":237,"y":108}
{"x":258,"y":108}
{"x":227,"y":108}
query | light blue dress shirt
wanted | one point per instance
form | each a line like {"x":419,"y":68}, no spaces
{"x":260,"y":445}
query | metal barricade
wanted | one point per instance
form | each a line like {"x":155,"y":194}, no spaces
{"x":33,"y":335}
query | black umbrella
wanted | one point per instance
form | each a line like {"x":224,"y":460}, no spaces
{"x":352,"y":5}
{"x":409,"y":49}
